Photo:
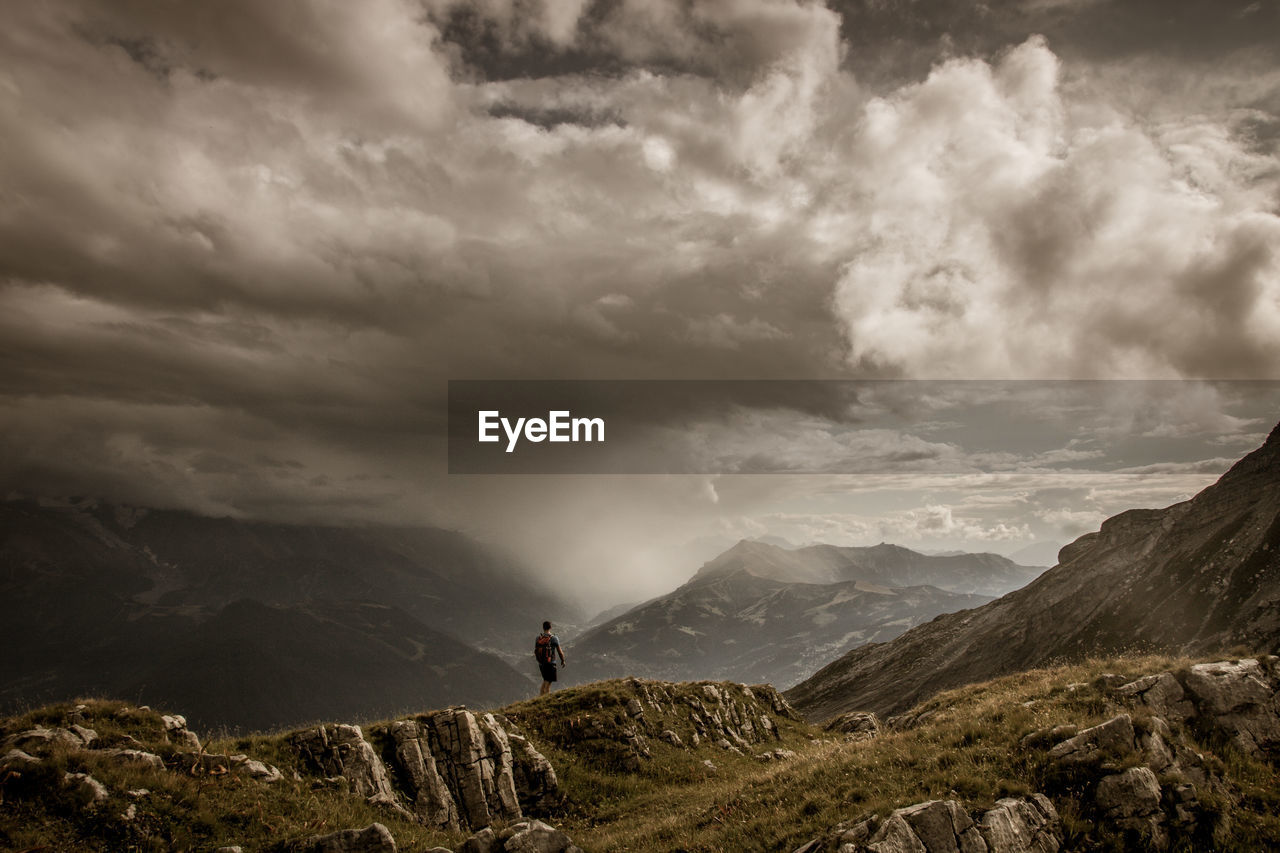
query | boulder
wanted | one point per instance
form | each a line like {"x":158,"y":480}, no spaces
{"x":859,"y":725}
{"x":484,"y":841}
{"x":136,"y":756}
{"x":254,"y":769}
{"x":1027,"y":825}
{"x":16,"y":759}
{"x":86,"y":789}
{"x":1162,"y":694}
{"x":1096,"y":745}
{"x":1133,"y":793}
{"x":1239,"y":699}
{"x":374,"y":838}
{"x":41,"y":736}
{"x":533,"y":836}
{"x":943,"y":826}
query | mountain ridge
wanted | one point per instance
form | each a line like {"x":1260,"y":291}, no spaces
{"x":760,"y":613}
{"x":1197,"y":576}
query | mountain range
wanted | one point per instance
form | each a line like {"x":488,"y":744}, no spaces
{"x":1199,"y":576}
{"x":764,"y":613}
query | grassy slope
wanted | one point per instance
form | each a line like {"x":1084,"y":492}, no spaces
{"x":968,"y":749}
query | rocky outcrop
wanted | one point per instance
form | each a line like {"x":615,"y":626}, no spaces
{"x":1027,"y":825}
{"x":450,"y":769}
{"x":341,"y":751}
{"x":428,"y":797}
{"x":1199,"y":575}
{"x":858,"y":725}
{"x":1235,"y":701}
{"x":1137,"y":779}
{"x":477,"y":763}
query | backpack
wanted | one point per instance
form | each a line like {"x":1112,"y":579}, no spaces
{"x":542,"y":649}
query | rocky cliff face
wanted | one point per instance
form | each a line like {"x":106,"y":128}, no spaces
{"x":1194,"y":577}
{"x":449,"y":769}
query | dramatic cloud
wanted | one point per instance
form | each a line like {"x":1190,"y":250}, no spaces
{"x":244,"y":245}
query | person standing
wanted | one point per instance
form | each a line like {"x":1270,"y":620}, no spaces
{"x":545,"y":649}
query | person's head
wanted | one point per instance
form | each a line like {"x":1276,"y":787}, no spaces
{"x":546,"y":626}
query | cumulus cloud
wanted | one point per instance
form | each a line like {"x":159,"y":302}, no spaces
{"x":1017,"y":233}
{"x":272,"y":231}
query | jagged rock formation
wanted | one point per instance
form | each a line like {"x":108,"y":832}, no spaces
{"x":617,"y":726}
{"x":1238,"y":701}
{"x":1153,"y":802}
{"x":1027,"y":825}
{"x":1197,"y":576}
{"x":448,"y":769}
{"x":763,"y":614}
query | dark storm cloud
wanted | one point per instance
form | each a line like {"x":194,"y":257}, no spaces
{"x":244,"y":231}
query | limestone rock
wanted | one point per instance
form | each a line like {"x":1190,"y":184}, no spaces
{"x":533,"y":837}
{"x":428,"y":795}
{"x":484,"y":841}
{"x":776,"y":755}
{"x":942,"y":825}
{"x":75,"y":737}
{"x":17,"y":759}
{"x":475,"y":755}
{"x":672,"y":738}
{"x":254,"y":769}
{"x":1027,"y":825}
{"x":1240,"y":700}
{"x":341,"y":750}
{"x":1162,"y":694}
{"x":536,"y":784}
{"x":374,"y":838}
{"x":85,"y":788}
{"x":1133,"y":793}
{"x":860,"y":725}
{"x":136,"y":756}
{"x":1095,"y":745}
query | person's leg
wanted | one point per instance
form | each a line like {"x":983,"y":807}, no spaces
{"x":546,"y":685}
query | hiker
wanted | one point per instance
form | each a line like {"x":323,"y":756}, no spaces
{"x":545,"y":649}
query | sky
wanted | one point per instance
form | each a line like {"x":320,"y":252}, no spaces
{"x":244,"y":246}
